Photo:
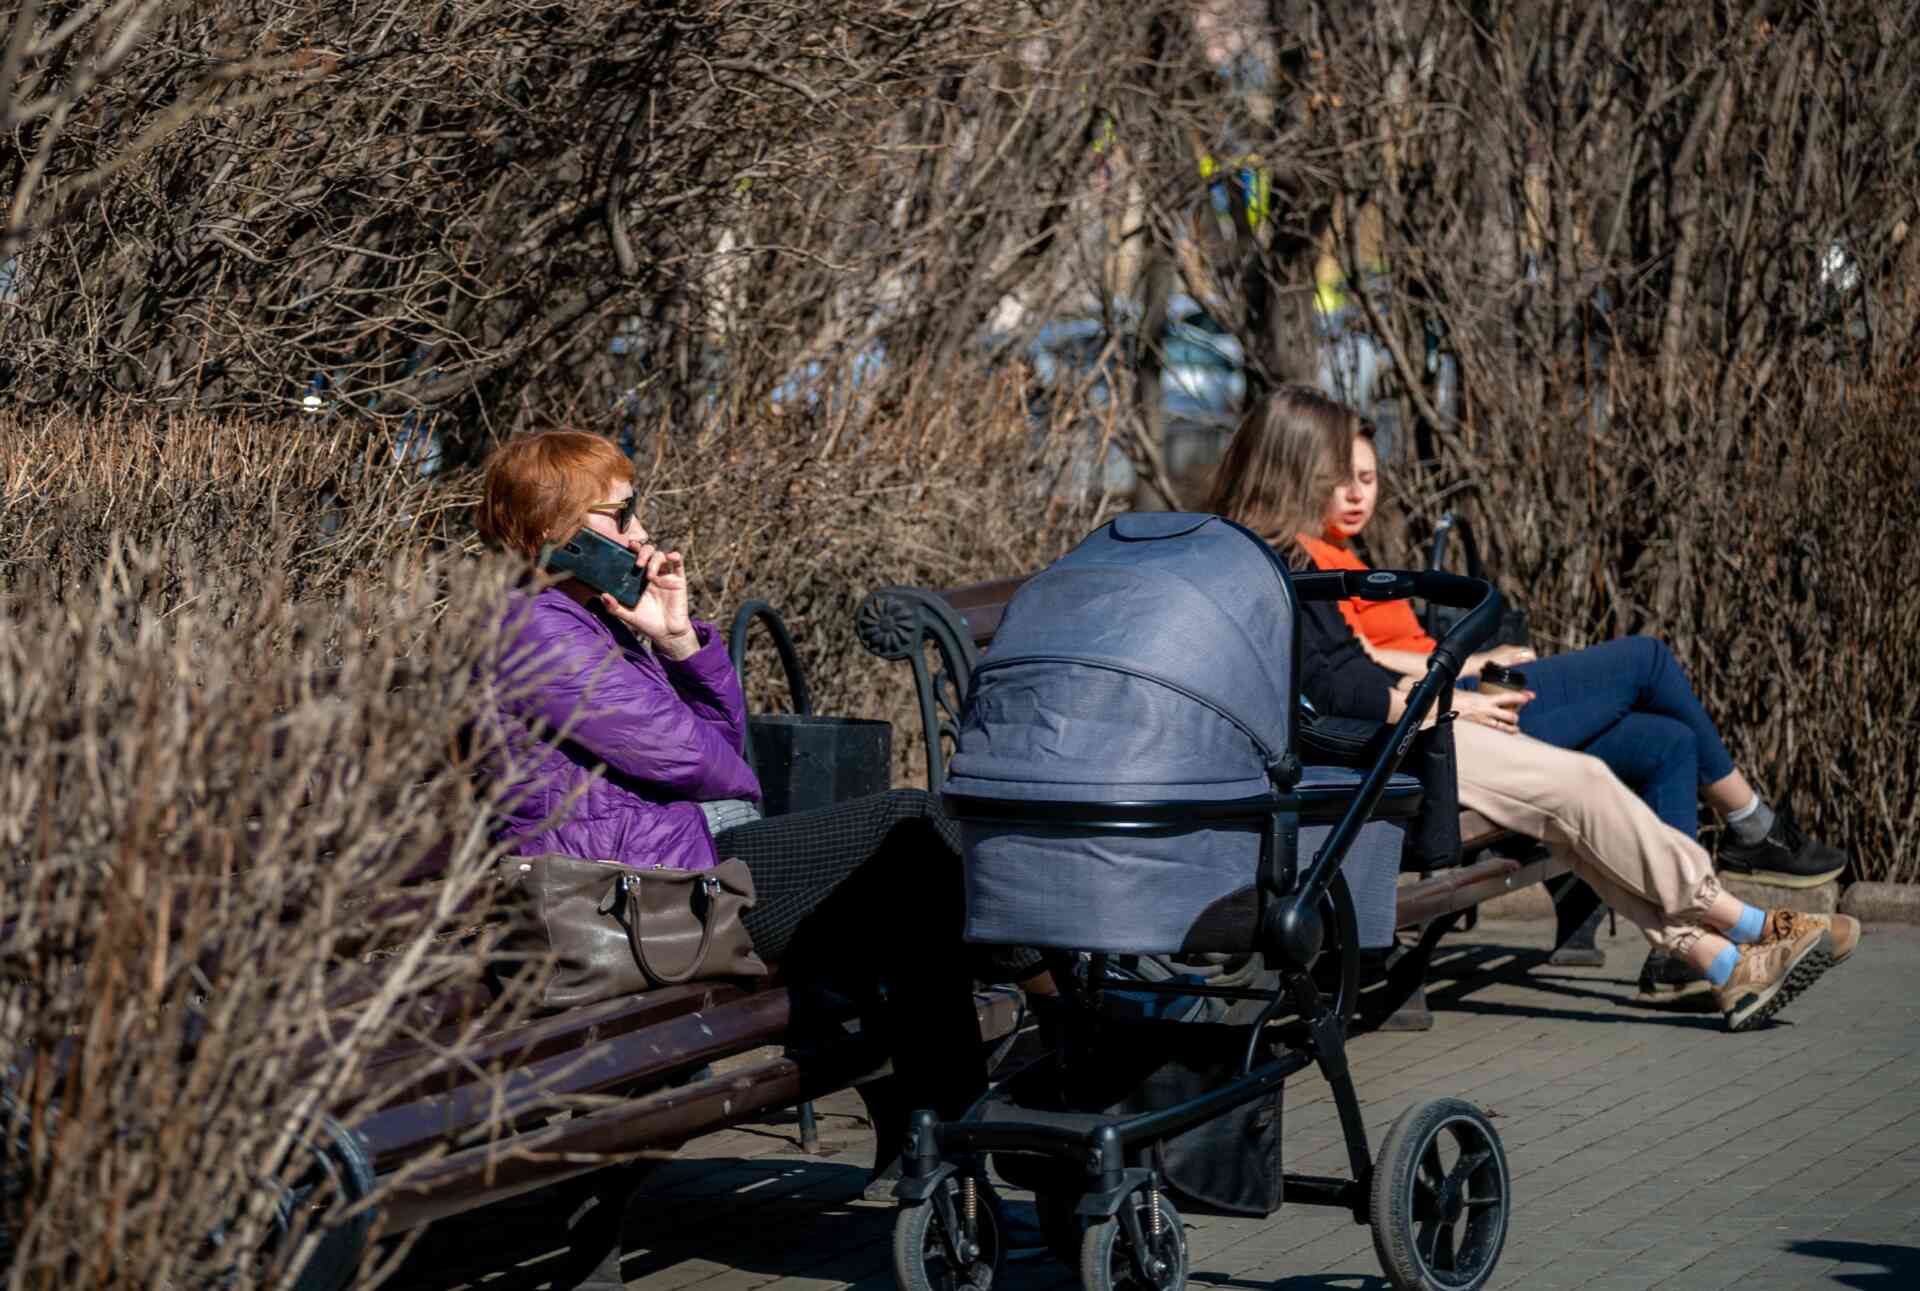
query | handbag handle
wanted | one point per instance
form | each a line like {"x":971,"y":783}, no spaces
{"x":782,"y":641}
{"x":628,"y":892}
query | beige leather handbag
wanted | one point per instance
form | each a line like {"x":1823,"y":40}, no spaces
{"x":610,"y":929}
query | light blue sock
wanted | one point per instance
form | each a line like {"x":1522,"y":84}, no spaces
{"x":1752,"y":922}
{"x":1722,"y":966}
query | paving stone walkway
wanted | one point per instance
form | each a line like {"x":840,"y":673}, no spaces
{"x":1649,"y":1150}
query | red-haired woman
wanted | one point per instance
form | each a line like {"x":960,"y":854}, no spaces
{"x":636,"y":716}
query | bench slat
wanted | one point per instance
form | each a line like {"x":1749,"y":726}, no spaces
{"x":1459,"y":889}
{"x":1477,"y":832}
{"x":480,"y":1176}
{"x":531,"y":1040}
{"x":532,"y":1089}
{"x":486,"y":1173}
{"x":981,"y":606}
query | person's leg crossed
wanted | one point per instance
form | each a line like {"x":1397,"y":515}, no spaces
{"x":1577,"y":697}
{"x":1654,"y":756}
{"x":1663,"y":687}
{"x":862,"y":905}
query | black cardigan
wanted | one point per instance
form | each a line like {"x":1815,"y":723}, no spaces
{"x":1336,"y":675}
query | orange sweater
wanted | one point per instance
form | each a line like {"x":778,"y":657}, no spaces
{"x":1389,"y":625}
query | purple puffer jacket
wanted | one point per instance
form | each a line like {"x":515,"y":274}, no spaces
{"x":668,"y":735}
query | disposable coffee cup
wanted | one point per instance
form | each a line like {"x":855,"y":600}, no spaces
{"x":1495,"y":678}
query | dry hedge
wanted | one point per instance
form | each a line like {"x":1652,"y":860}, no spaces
{"x":211,"y":775}
{"x":970,"y":492}
{"x":1706,"y":210}
{"x":236,"y":663}
{"x":208,"y":781}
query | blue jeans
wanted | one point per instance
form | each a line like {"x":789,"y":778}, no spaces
{"x":1653,"y":756}
{"x":1628,"y":703}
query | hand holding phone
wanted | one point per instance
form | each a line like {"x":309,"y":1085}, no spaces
{"x":602,"y":564}
{"x":650,"y":598}
{"x":662,"y":615}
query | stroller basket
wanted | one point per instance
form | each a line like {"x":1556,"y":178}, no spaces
{"x":1127,"y":782}
{"x":1134,"y":1073}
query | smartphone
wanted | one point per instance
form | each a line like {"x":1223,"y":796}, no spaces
{"x":600,"y":563}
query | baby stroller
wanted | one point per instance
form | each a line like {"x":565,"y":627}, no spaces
{"x":1127,"y":786}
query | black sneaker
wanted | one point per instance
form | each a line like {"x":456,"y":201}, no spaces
{"x":1667,"y":983}
{"x":1785,"y":858}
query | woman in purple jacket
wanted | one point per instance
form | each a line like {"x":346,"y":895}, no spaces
{"x":856,"y":895}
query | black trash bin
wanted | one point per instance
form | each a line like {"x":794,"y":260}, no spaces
{"x":805,"y":761}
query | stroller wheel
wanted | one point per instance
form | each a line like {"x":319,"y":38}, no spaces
{"x":949,"y":1242}
{"x":1110,"y":1260}
{"x":1440,"y":1200}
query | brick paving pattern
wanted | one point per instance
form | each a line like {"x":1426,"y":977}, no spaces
{"x":1649,"y":1150}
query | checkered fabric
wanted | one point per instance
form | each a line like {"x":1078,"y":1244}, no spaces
{"x":799,"y":861}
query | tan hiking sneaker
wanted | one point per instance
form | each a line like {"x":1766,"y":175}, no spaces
{"x":1843,"y":930}
{"x":1769,"y":975}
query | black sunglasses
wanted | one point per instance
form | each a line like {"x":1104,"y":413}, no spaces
{"x":621,"y":513}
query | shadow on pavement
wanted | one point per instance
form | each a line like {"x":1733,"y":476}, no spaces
{"x":1899,"y":1266}
{"x":1306,"y":1282}
{"x":1457,"y":974}
{"x":757,"y":1215}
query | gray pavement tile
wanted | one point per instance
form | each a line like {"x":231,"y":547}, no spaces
{"x":1647,"y":1151}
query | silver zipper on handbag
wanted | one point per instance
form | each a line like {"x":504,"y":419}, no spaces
{"x":622,"y":884}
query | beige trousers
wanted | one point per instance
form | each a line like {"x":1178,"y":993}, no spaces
{"x":1653,"y":874}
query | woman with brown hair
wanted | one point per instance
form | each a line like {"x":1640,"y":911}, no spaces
{"x":1287,"y":459}
{"x":625,"y":727}
{"x":1613,"y":700}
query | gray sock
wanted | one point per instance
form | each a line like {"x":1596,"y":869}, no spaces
{"x":1751,"y":823}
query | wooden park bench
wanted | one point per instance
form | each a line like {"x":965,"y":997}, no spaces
{"x":503,"y":1122}
{"x":941,"y":636}
{"x":557,"y":1099}
{"x":655,"y":1070}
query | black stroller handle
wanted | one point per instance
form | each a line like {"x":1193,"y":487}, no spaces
{"x":1294,"y":924}
{"x":1475,"y":595}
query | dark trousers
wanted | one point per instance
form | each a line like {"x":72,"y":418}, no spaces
{"x":865,"y":902}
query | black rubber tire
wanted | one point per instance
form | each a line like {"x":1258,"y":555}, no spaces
{"x":1440,"y":1224}
{"x":920,"y":1261}
{"x":1107,"y":1265}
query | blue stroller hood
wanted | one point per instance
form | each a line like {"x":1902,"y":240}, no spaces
{"x":1152,"y":663}
{"x":1154,"y":660}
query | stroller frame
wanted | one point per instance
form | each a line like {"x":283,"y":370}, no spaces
{"x":943,"y":1161}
